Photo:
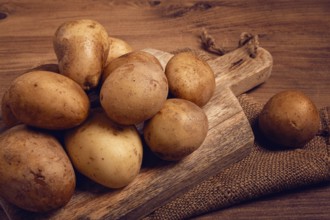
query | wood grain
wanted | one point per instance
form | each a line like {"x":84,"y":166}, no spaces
{"x":295,"y":33}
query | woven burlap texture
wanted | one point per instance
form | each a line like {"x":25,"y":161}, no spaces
{"x":264,"y":171}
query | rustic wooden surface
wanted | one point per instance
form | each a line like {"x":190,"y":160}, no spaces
{"x":296,"y":33}
{"x":229,"y":140}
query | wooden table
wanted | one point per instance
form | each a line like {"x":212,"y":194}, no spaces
{"x":296,"y":33}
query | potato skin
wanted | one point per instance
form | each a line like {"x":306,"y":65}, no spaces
{"x":48,"y":100}
{"x":289,"y":119}
{"x":134,"y":56}
{"x":8,"y":117}
{"x":134,"y":92}
{"x":36,"y":174}
{"x":117,"y":48}
{"x":81,"y":47}
{"x":177,"y":130}
{"x":190,"y":78}
{"x":108,"y":153}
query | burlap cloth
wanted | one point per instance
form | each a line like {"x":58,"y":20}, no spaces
{"x":264,"y":171}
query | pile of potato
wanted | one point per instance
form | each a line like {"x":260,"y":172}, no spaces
{"x":37,"y":165}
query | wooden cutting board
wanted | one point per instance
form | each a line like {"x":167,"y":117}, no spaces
{"x":229,"y":140}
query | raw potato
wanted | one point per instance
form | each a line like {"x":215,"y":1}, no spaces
{"x":36,"y":174}
{"x":289,"y":119}
{"x":134,"y":92}
{"x":82,"y":48}
{"x":48,"y":100}
{"x":108,"y":153}
{"x":118,"y":47}
{"x":177,"y":130}
{"x":135,"y":56}
{"x":8,"y":117}
{"x":190,"y":78}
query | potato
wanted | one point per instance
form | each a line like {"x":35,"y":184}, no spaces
{"x":177,"y":130}
{"x":81,"y":47}
{"x":134,"y":92}
{"x":48,"y":100}
{"x":289,"y":119}
{"x":8,"y":117}
{"x":190,"y":78}
{"x":117,"y":48}
{"x":134,"y":56}
{"x":36,"y":174}
{"x":108,"y":153}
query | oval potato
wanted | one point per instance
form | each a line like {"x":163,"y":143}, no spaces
{"x":81,"y":47}
{"x":289,"y":119}
{"x":177,"y":130}
{"x":48,"y":100}
{"x":190,"y":78}
{"x":134,"y":92}
{"x":108,"y":153}
{"x":36,"y":174}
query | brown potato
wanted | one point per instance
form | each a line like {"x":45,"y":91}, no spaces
{"x":7,"y":115}
{"x":190,"y":78}
{"x":140,"y":56}
{"x":48,"y":100}
{"x":81,"y":47}
{"x":117,"y":48}
{"x":177,"y":130}
{"x":36,"y":174}
{"x":289,"y":119}
{"x":134,"y":92}
{"x":108,"y":153}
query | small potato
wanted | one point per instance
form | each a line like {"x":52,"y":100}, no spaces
{"x":134,"y":56}
{"x":36,"y":174}
{"x":7,"y":115}
{"x":118,"y":47}
{"x":177,"y":130}
{"x":289,"y":119}
{"x":134,"y":92}
{"x":81,"y":47}
{"x":48,"y":100}
{"x":108,"y":153}
{"x":190,"y":78}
